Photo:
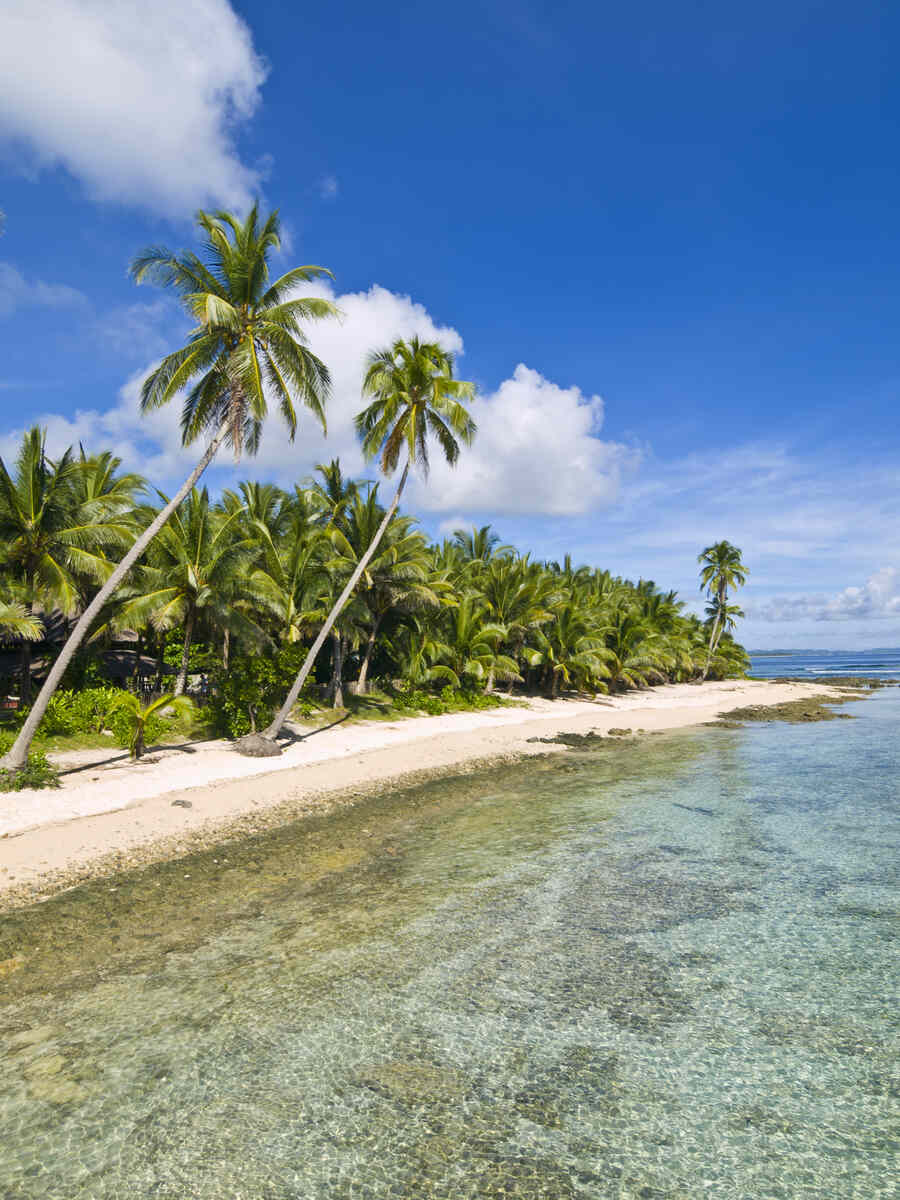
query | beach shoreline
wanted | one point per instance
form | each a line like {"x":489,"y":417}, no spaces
{"x":111,"y":815}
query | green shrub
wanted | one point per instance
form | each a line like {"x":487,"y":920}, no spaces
{"x":91,"y":708}
{"x":78,"y":712}
{"x":59,"y":717}
{"x":249,"y":693}
{"x":449,"y":699}
{"x":38,"y":772}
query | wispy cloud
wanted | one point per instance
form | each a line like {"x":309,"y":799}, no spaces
{"x":328,"y":187}
{"x":17,"y":292}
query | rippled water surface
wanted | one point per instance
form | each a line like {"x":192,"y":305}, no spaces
{"x":665,"y":970}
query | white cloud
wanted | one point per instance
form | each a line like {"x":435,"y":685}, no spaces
{"x":537,"y":451}
{"x":153,"y":443}
{"x":877,"y":599}
{"x":138,"y":101}
{"x":17,"y":292}
{"x":328,"y":187}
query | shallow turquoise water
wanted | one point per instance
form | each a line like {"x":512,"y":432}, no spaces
{"x":665,"y":971}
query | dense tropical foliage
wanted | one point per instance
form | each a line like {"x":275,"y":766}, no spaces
{"x":233,"y":592}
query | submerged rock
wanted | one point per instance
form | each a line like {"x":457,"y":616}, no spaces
{"x":32,"y":1037}
{"x":254,"y":745}
{"x":412,"y":1082}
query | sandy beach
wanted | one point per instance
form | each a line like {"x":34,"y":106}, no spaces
{"x":110,"y":813}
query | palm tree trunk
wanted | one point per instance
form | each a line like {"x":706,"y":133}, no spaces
{"x":282,"y":715}
{"x":337,"y":670}
{"x":25,"y":674}
{"x":367,"y":657}
{"x":226,"y":649}
{"x":17,"y":756}
{"x":721,"y":595}
{"x":181,"y":681}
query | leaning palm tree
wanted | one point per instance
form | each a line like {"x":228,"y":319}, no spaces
{"x":414,"y":397}
{"x":247,"y":348}
{"x":720,"y":568}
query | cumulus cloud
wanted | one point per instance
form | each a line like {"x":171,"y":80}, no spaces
{"x":877,"y":599}
{"x":537,"y":450}
{"x":139,"y":101}
{"x":17,"y":292}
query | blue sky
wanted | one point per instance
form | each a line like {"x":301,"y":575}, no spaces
{"x":664,"y":239}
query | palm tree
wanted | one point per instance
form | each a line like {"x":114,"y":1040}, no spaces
{"x":138,"y":715}
{"x":195,"y":562}
{"x":291,"y":579}
{"x":721,"y":568}
{"x":248,"y":346}
{"x":634,"y":652}
{"x":415,"y":396}
{"x":15,"y":619}
{"x":56,"y":522}
{"x":571,"y":649}
{"x":396,"y":576}
{"x":469,"y":648}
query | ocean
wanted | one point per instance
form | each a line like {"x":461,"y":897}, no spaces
{"x":771,"y":664}
{"x":663,"y":970}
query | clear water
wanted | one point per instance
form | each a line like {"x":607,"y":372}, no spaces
{"x":662,"y":971}
{"x":872,"y":663}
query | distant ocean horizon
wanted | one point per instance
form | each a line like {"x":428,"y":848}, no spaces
{"x":770,"y":664}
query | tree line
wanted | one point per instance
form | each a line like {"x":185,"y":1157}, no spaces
{"x":326,"y":570}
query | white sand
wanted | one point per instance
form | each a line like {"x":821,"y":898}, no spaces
{"x":108,"y":805}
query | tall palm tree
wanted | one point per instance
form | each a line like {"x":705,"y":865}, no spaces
{"x":414,"y":397}
{"x":469,"y":645}
{"x":57,"y":526}
{"x":720,"y":568}
{"x":196,"y":559}
{"x":248,"y":346}
{"x":396,"y":576}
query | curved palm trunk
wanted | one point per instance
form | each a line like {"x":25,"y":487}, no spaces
{"x":713,"y":639}
{"x":282,"y":715}
{"x":17,"y":757}
{"x":367,"y":658}
{"x":181,"y":681}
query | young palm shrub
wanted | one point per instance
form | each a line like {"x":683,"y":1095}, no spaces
{"x":137,"y":717}
{"x":415,"y":397}
{"x":248,"y":346}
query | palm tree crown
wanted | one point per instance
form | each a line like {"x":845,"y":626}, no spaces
{"x":248,"y":344}
{"x":414,"y":395}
